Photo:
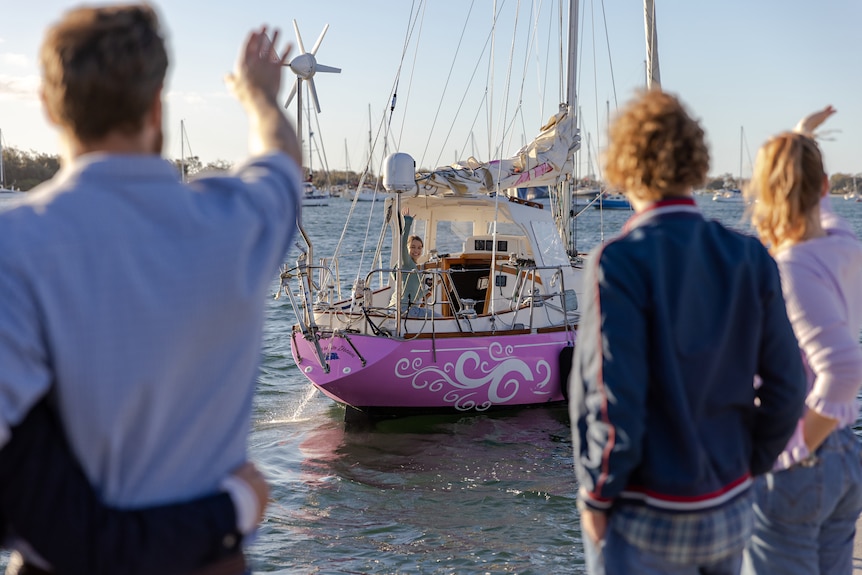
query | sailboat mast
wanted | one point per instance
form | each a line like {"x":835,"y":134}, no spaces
{"x":572,"y":68}
{"x":370,"y":161}
{"x":183,"y":151}
{"x":739,"y":185}
{"x":653,"y":73}
{"x":310,"y":152}
{"x":566,"y":223}
{"x":346,"y":158}
{"x":299,"y":110}
{"x":2,"y":172}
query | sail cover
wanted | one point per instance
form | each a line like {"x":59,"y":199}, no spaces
{"x":543,"y":162}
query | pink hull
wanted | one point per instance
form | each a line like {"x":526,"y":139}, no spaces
{"x":470,"y":373}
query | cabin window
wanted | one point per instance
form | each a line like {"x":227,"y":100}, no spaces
{"x":418,"y":229}
{"x":505,"y":229}
{"x":450,"y":236}
{"x":548,"y":240}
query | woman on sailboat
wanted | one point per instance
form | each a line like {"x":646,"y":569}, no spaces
{"x":807,"y":506}
{"x":413,"y":292}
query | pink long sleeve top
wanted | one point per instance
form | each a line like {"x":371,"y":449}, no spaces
{"x":822,"y":284}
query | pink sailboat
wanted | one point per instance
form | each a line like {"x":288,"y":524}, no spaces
{"x":499,"y":312}
{"x":488,"y":320}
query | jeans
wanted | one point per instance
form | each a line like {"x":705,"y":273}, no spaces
{"x":805,"y":516}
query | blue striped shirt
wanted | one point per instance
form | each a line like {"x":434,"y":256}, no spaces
{"x":137,"y":302}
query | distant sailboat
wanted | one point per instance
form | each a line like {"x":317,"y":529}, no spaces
{"x":363,"y":192}
{"x":184,"y":176}
{"x":732,"y":194}
{"x":3,"y":189}
{"x":854,"y":194}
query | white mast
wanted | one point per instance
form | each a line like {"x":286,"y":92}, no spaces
{"x":739,"y":184}
{"x":653,"y":73}
{"x":565,"y":223}
{"x":346,"y":158}
{"x":182,"y":151}
{"x":571,"y":78}
{"x":310,"y":137}
{"x":2,"y":173}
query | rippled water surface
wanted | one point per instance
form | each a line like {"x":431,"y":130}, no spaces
{"x":435,"y":495}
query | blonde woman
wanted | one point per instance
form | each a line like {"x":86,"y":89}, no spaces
{"x":806,"y":507}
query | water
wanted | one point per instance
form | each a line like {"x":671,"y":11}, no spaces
{"x":432,"y":495}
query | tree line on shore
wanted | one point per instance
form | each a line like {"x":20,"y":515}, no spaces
{"x":25,"y":170}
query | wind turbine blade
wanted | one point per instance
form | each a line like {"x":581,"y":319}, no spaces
{"x":322,"y":68}
{"x":291,"y":95}
{"x":319,"y":39}
{"x":298,"y":38}
{"x":314,"y":94}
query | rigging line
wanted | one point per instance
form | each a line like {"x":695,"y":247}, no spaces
{"x":610,"y":58}
{"x":381,"y":127}
{"x":563,"y":56}
{"x":464,"y":98}
{"x":475,"y":120}
{"x":185,"y":138}
{"x":504,"y":131}
{"x":504,"y":111}
{"x":445,"y":88}
{"x":409,"y":35}
{"x":581,"y":60}
{"x":535,"y":49}
{"x":595,"y":75}
{"x":411,"y":23}
{"x":347,"y":221}
{"x":392,"y":105}
{"x":489,"y":86}
{"x":519,"y":109}
{"x":531,"y":45}
{"x":321,"y":150}
{"x":748,"y":151}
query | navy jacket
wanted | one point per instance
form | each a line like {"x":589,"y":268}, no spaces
{"x":680,"y":314}
{"x":46,"y":499}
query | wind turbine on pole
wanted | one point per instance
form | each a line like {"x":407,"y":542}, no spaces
{"x":305,"y":66}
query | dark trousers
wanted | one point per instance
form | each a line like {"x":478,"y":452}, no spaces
{"x":233,"y":565}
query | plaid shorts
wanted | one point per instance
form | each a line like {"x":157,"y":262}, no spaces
{"x":699,"y":538}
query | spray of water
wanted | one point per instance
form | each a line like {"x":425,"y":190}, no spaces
{"x":297,"y":415}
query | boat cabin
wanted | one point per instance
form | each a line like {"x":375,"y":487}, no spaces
{"x":467,"y":268}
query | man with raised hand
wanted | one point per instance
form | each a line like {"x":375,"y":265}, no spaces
{"x":102,"y":270}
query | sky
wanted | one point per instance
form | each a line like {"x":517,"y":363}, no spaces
{"x":746,"y":69}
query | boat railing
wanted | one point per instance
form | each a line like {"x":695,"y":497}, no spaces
{"x":462,"y":292}
{"x":465,"y":293}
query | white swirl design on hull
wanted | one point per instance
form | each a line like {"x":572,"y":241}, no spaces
{"x":474,"y":382}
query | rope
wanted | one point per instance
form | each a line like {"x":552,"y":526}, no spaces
{"x":610,"y":58}
{"x":445,"y":88}
{"x":368,"y":165}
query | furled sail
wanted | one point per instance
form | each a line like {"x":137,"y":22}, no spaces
{"x":543,"y":162}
